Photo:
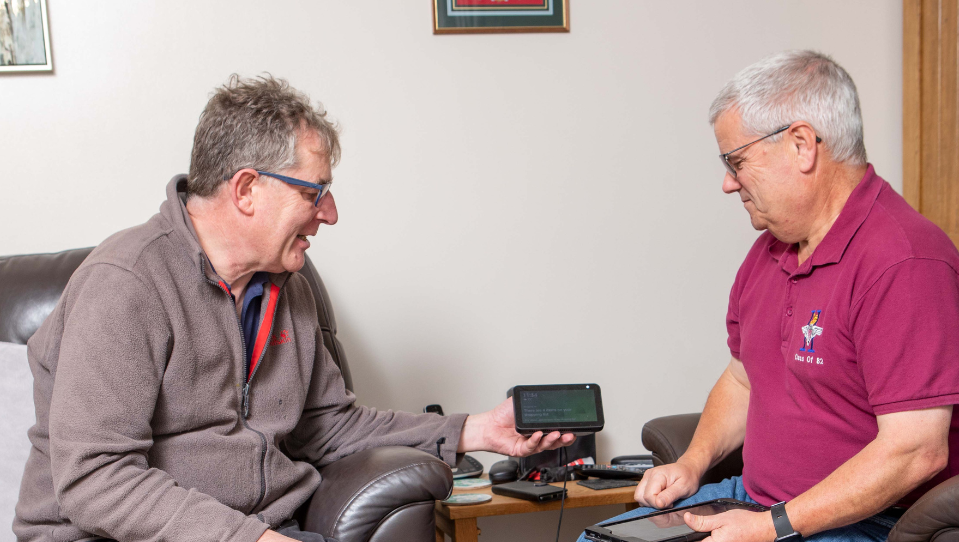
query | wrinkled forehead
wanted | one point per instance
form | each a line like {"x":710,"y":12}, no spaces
{"x":312,"y":154}
{"x":309,"y":141}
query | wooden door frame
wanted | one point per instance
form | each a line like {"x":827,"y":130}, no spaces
{"x":911,"y":101}
{"x":930,"y":112}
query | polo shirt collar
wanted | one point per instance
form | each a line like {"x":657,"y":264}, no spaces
{"x":837,"y":239}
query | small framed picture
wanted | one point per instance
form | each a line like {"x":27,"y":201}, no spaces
{"x":472,"y":16}
{"x":24,"y":36}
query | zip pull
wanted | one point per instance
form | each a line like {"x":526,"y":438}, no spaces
{"x":246,"y":400}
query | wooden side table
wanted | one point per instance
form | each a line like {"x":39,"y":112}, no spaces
{"x":459,"y":522}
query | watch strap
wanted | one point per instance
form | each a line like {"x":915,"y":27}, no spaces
{"x":781,"y":520}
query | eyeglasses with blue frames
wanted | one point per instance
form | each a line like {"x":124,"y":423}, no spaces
{"x":323,"y":188}
{"x":725,"y":156}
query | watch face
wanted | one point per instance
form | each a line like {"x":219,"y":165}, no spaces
{"x":791,"y":537}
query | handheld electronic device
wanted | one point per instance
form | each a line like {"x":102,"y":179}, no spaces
{"x":531,"y":491}
{"x":567,"y":408}
{"x":665,"y":525}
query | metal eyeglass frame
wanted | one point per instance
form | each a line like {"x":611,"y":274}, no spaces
{"x":725,"y":156}
{"x":323,"y":188}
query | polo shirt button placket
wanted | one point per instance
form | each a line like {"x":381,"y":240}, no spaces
{"x":787,"y":318}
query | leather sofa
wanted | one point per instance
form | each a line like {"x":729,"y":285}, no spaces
{"x":383,"y":494}
{"x":934,"y":518}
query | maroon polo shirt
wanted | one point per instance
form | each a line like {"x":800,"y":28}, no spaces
{"x":868,"y":325}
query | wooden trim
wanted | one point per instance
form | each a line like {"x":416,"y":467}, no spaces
{"x":948,"y":206}
{"x":929,"y":108}
{"x":930,"y":124}
{"x":911,"y":125}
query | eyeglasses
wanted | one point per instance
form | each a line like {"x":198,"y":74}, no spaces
{"x":725,"y":156}
{"x":323,"y":188}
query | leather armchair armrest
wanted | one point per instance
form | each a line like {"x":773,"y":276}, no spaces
{"x":391,"y":489}
{"x":668,"y":437}
{"x":934,"y":517}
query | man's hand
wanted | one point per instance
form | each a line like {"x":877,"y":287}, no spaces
{"x":734,"y":526}
{"x":662,"y":486}
{"x":495,"y":431}
{"x":273,"y":536}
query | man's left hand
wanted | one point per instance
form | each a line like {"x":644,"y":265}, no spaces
{"x":495,"y":431}
{"x":734,"y":526}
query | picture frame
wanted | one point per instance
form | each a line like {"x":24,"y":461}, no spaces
{"x":24,"y":36}
{"x":499,"y":16}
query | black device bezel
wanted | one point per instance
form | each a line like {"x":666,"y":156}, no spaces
{"x":578,"y":428}
{"x":600,"y":532}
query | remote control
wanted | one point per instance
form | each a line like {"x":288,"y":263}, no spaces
{"x":605,"y":484}
{"x":622,"y":472}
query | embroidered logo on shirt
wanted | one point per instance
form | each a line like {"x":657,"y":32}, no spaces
{"x":283,"y":337}
{"x":810,"y":331}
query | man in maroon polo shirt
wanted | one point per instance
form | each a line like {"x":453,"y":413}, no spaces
{"x":843,"y":326}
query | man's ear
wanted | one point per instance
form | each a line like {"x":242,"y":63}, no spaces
{"x":240,"y":187}
{"x":803,"y":140}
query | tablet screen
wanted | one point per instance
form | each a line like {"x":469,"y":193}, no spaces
{"x":558,"y":406}
{"x":671,"y":525}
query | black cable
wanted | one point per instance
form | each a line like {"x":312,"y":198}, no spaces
{"x":562,"y":504}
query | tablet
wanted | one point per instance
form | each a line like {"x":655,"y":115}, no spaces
{"x":665,"y":525}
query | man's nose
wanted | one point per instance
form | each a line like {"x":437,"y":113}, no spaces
{"x":326,"y":211}
{"x":730,"y":184}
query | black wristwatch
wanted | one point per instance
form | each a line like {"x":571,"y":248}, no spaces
{"x":784,"y":529}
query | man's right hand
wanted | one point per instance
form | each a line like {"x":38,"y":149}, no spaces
{"x":661,"y":486}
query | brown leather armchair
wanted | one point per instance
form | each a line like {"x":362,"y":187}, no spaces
{"x":376,"y":495}
{"x":934,"y":518}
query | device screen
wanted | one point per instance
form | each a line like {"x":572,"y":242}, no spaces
{"x":558,"y":406}
{"x":671,"y":524}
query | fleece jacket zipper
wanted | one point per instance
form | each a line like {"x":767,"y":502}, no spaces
{"x":245,"y":403}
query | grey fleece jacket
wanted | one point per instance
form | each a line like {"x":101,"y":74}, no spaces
{"x":139,"y":389}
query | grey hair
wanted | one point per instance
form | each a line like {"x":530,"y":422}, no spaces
{"x":798,"y":85}
{"x":253,"y":123}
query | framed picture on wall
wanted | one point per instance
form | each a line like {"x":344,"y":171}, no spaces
{"x":24,"y":36}
{"x":471,"y":16}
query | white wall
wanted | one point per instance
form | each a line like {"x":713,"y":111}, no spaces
{"x":527,"y":208}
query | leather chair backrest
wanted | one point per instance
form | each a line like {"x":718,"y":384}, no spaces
{"x":31,"y":284}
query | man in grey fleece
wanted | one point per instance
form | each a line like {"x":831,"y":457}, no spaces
{"x":182,"y":388}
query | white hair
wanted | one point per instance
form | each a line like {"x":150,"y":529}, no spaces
{"x":792,"y":86}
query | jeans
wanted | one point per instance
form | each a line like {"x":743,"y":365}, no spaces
{"x":872,"y":529}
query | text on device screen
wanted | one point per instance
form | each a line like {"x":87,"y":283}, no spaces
{"x":558,"y":406}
